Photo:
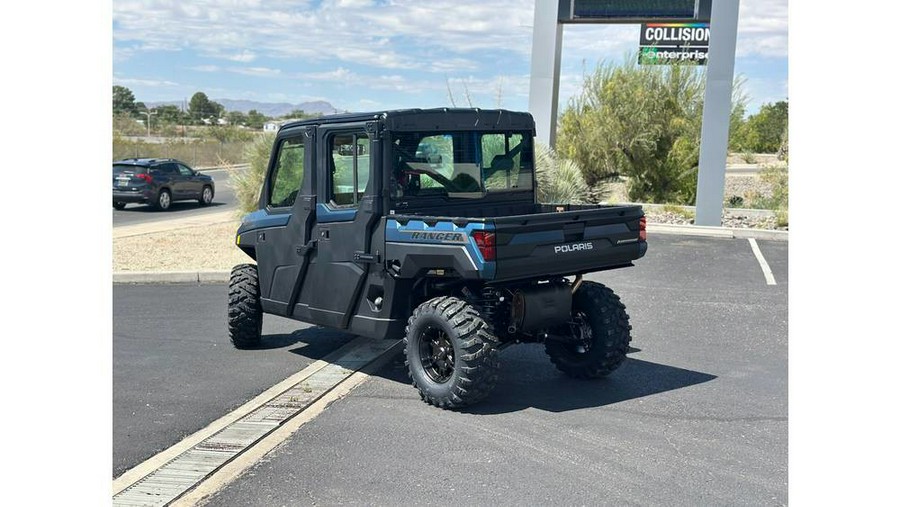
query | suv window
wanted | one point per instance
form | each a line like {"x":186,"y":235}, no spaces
{"x":185,"y":171}
{"x":349,"y":162}
{"x":288,"y":172}
{"x":167,"y":169}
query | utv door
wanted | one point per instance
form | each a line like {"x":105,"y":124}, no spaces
{"x":283,"y":249}
{"x":345,"y":217}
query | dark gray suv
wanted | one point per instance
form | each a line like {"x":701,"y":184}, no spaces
{"x":159,"y":182}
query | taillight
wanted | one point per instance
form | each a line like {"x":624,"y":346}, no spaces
{"x":643,"y":229}
{"x":487,"y":244}
{"x":146,"y":177}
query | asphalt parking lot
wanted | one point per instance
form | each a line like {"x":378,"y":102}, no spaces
{"x":697,"y":415}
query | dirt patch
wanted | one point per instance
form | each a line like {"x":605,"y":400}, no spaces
{"x":195,"y":248}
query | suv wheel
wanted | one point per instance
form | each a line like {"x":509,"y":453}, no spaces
{"x":600,"y":326}
{"x":206,"y":196}
{"x":118,"y":205}
{"x":163,"y":200}
{"x":450,"y":353}
{"x":245,"y":315}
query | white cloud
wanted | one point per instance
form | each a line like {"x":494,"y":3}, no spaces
{"x":206,"y":68}
{"x":143,"y":82}
{"x":255,"y":71}
{"x":429,"y":40}
{"x":763,"y":28}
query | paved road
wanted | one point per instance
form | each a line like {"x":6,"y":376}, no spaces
{"x":698,"y":415}
{"x":224,"y":200}
{"x":174,"y":370}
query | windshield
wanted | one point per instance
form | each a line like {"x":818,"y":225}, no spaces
{"x":463,"y":165}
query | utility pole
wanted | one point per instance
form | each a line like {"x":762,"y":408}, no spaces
{"x":148,"y":113}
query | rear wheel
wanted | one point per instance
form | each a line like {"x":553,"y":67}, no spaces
{"x":118,"y":205}
{"x":600,"y":334}
{"x":163,"y":200}
{"x":245,"y":315}
{"x":206,"y":196}
{"x":450,"y":353}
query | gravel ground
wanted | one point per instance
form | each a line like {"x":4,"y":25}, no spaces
{"x":195,"y":248}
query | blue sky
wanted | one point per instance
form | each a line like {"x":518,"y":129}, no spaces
{"x":383,"y":54}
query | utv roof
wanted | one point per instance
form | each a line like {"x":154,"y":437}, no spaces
{"x":432,"y":119}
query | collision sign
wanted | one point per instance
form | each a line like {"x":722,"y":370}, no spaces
{"x":668,"y":43}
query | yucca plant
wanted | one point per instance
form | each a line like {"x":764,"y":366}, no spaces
{"x":248,"y":183}
{"x":559,"y":180}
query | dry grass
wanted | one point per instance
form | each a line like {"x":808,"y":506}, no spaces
{"x":191,"y":249}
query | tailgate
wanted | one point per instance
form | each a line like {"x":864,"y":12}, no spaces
{"x":579,"y":240}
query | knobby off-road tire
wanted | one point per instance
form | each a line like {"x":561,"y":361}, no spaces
{"x":245,"y":315}
{"x":468,"y":372}
{"x":601,"y":318}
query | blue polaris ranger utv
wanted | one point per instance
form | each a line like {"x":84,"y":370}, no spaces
{"x":424,"y":224}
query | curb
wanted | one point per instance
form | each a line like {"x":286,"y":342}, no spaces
{"x":171,"y":276}
{"x":717,"y":232}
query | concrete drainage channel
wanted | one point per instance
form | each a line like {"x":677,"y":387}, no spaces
{"x":212,"y":457}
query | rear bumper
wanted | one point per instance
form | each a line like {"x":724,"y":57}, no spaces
{"x":131,"y":196}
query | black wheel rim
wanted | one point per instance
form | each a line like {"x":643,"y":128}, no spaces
{"x":437,"y":354}
{"x":581,"y":330}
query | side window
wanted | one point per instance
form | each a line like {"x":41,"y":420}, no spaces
{"x":349,"y":167}
{"x":167,"y":169}
{"x":288,"y":173}
{"x":184,"y":170}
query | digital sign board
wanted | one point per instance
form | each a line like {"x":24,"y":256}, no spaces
{"x":633,"y":11}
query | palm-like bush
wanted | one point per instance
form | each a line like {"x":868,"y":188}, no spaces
{"x":247,"y":184}
{"x":559,"y":180}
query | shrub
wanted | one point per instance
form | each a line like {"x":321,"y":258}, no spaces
{"x":639,"y":122}
{"x":248,"y":183}
{"x":558,"y":180}
{"x":642,"y":122}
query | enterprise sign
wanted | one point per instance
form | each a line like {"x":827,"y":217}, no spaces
{"x":668,"y":43}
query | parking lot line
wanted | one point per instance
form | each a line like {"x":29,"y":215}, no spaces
{"x":277,"y":404}
{"x":767,"y":272}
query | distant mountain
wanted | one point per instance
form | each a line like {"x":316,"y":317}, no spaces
{"x":267,"y":108}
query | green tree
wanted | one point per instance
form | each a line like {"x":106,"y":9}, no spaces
{"x":123,"y":100}
{"x":641,"y":122}
{"x":199,"y":106}
{"x":236,"y":118}
{"x":168,"y":114}
{"x":764,"y":131}
{"x":255,"y":119}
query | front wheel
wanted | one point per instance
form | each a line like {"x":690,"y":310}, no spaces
{"x":599,"y":331}
{"x":451,"y":353}
{"x":245,"y":315}
{"x":206,"y":196}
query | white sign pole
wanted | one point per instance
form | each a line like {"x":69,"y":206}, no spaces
{"x":546,"y":47}
{"x":716,"y":112}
